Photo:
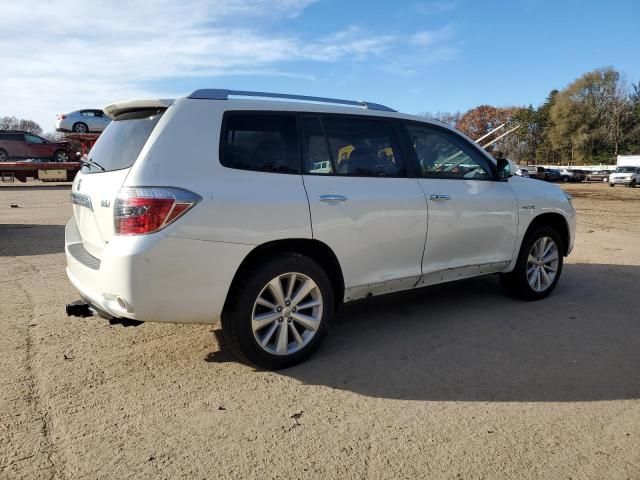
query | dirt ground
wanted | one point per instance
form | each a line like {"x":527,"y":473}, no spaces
{"x":454,"y":381}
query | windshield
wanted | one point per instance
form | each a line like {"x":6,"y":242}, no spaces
{"x":121,"y":142}
{"x":625,"y":170}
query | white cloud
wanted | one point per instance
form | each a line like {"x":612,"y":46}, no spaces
{"x":429,"y":37}
{"x":86,"y":54}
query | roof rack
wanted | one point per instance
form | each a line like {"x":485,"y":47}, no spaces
{"x":223,"y":94}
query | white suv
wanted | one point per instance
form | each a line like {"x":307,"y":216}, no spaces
{"x":270,"y":214}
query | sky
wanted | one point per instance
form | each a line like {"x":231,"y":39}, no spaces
{"x":415,"y":56}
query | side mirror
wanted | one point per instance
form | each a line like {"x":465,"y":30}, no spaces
{"x":505,"y":168}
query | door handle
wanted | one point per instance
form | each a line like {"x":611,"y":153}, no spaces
{"x":438,"y":197}
{"x":329,"y":197}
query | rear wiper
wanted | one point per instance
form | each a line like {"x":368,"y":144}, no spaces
{"x":90,"y":163}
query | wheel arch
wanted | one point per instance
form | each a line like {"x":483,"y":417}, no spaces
{"x":318,"y":251}
{"x":556,"y":221}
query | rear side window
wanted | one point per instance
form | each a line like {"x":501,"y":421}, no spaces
{"x":11,"y":137}
{"x":121,"y":142}
{"x":357,"y":146}
{"x":260,"y":142}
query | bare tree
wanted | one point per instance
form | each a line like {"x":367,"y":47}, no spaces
{"x":449,"y":118}
{"x":15,"y":123}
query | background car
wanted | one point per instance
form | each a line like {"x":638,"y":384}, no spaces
{"x":572,"y":175}
{"x":82,"y":121}
{"x":521,"y":171}
{"x":598,"y":176}
{"x":20,"y":145}
{"x":552,"y":175}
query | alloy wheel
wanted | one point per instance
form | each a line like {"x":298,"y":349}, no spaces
{"x":542,"y":264}
{"x":287,"y":313}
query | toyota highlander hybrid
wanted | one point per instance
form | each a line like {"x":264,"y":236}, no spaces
{"x":267,"y":211}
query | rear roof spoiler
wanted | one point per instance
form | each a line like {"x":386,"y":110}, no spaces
{"x":119,"y":108}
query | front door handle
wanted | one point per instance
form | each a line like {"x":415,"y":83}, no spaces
{"x":439,"y":197}
{"x":330,"y":197}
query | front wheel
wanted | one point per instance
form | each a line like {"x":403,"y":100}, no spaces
{"x":4,"y":156}
{"x":279,"y":311}
{"x":538,"y":267}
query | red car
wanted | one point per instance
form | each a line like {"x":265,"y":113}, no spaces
{"x":19,"y":145}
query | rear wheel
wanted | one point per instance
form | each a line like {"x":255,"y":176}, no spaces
{"x":633,"y":184}
{"x":4,"y":156}
{"x":61,"y":156}
{"x":538,"y":267}
{"x":80,"y":127}
{"x":565,"y":179}
{"x":279,"y":312}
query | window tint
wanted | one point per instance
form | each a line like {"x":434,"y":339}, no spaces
{"x":360,"y":147}
{"x":264,"y":143}
{"x":12,"y":137}
{"x":33,"y":139}
{"x":443,"y":155}
{"x":121,"y":142}
{"x":317,"y":156}
{"x":87,"y":113}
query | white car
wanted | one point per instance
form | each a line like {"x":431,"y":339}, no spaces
{"x":521,"y":171}
{"x":269,"y":214}
{"x":629,"y":176}
{"x":82,"y":121}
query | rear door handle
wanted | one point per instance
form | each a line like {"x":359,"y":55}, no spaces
{"x":329,"y":197}
{"x":439,"y":197}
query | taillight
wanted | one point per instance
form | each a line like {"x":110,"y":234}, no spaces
{"x":142,"y":210}
{"x":61,"y":117}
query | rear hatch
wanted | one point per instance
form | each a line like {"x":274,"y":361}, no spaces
{"x":109,"y":161}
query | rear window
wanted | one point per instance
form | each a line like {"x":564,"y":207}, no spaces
{"x":260,"y":142}
{"x":121,"y":142}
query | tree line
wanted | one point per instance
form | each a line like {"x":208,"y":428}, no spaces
{"x":591,"y":121}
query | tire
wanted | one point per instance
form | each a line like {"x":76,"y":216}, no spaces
{"x":612,"y":185}
{"x":61,"y":156}
{"x":80,"y":127}
{"x":517,"y":282}
{"x":4,"y":156}
{"x":240,"y":318}
{"x":565,"y":179}
{"x":632,"y":184}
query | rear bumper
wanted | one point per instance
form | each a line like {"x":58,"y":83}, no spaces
{"x":155,"y":278}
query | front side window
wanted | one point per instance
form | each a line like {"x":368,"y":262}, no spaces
{"x":317,"y":155}
{"x":33,"y":139}
{"x":443,"y":155}
{"x":261,"y":142}
{"x":357,"y":146}
{"x":87,"y":113}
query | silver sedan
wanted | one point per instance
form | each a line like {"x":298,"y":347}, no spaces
{"x":82,"y":121}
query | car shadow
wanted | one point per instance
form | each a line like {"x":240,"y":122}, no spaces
{"x":467,"y":341}
{"x":30,"y":239}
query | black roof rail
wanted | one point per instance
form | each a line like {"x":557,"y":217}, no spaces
{"x":223,"y":94}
